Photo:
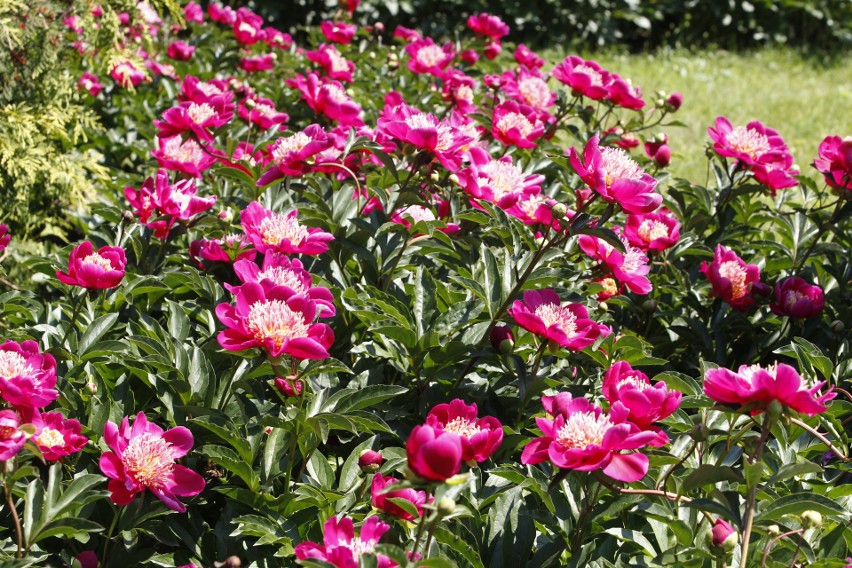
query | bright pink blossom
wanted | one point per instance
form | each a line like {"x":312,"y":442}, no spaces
{"x":193,"y":12}
{"x":542,"y":313}
{"x":795,"y":298}
{"x":192,"y":117}
{"x":652,"y":231}
{"x":623,"y":94}
{"x":498,"y":181}
{"x":276,"y":232}
{"x":257,"y":63}
{"x":167,"y":203}
{"x":178,"y":155}
{"x":12,"y":439}
{"x":458,"y":88}
{"x":754,"y":388}
{"x":143,"y":457}
{"x":180,"y":51}
{"x":675,"y":101}
{"x":262,"y":112}
{"x":529,"y":88}
{"x":480,"y":437}
{"x":94,"y":270}
{"x":613,"y":174}
{"x":342,"y":548}
{"x":328,"y":97}
{"x":335,"y":65}
{"x":296,"y":154}
{"x":277,"y":39}
{"x":516,"y":124}
{"x":425,"y":56}
{"x":527,"y":57}
{"x":5,"y":236}
{"x":408,"y":35}
{"x":89,"y":83}
{"x":227,"y":249}
{"x":381,"y":491}
{"x":434,"y":454}
{"x":370,"y":460}
{"x":214,"y":93}
{"x":274,"y":319}
{"x":338,"y":32}
{"x":629,"y":267}
{"x":584,"y":77}
{"x":835,"y":163}
{"x":410,"y":215}
{"x":248,"y":27}
{"x":425,"y":132}
{"x":584,"y":438}
{"x":488,"y":26}
{"x":222,"y":14}
{"x":56,"y":436}
{"x":27,"y":376}
{"x":646,"y":403}
{"x":492,"y":50}
{"x":732,"y":279}
{"x":127,"y":74}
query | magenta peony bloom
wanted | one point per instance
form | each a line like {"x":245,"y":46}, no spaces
{"x":527,"y":57}
{"x":328,"y":97}
{"x":274,"y":319}
{"x":335,"y":65}
{"x":126,"y":74}
{"x":338,"y":32}
{"x":381,"y":491}
{"x":5,"y":237}
{"x":529,"y":88}
{"x":197,"y":118}
{"x":584,"y":77}
{"x":214,"y":93}
{"x":623,"y":94}
{"x":584,"y":438}
{"x":222,"y":14}
{"x":835,"y":163}
{"x":288,"y":273}
{"x":407,"y":35}
{"x":257,"y":63}
{"x":277,"y":39}
{"x":168,"y":203}
{"x":433,"y":453}
{"x":270,"y":231}
{"x":629,"y":267}
{"x":12,"y":439}
{"x":296,"y":154}
{"x":458,"y":89}
{"x":754,"y":388}
{"x":229,"y":248}
{"x":341,"y":548}
{"x":652,"y":231}
{"x":248,"y":26}
{"x":193,"y":12}
{"x":613,"y":174}
{"x":732,"y":279}
{"x":645,"y":403}
{"x":425,"y":56}
{"x":795,"y":298}
{"x":89,"y":83}
{"x":425,"y":132}
{"x":611,"y":288}
{"x":56,"y":436}
{"x":185,"y":156}
{"x":480,"y":437}
{"x":261,"y":112}
{"x":143,"y":457}
{"x":542,"y":313}
{"x":180,"y":51}
{"x":94,"y":270}
{"x":27,"y":376}
{"x":516,"y":124}
{"x":488,"y":26}
{"x":500,"y":182}
{"x":410,"y":215}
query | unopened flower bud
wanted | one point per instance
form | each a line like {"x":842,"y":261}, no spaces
{"x":435,"y":176}
{"x":699,"y":432}
{"x":838,"y":327}
{"x":773,"y":530}
{"x":723,"y":536}
{"x":502,"y":339}
{"x":774,"y":409}
{"x":663,"y":157}
{"x":454,"y":179}
{"x":370,"y":460}
{"x":128,"y":217}
{"x":811,"y":519}
{"x":250,"y":103}
{"x":92,"y":387}
{"x":649,"y":306}
{"x":288,"y":386}
{"x":226,"y":215}
{"x":446,"y":506}
{"x":674,"y":101}
{"x":558,"y":210}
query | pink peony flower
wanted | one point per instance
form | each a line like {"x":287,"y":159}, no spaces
{"x":12,"y":439}
{"x":296,"y":154}
{"x":327,"y":97}
{"x":469,"y":56}
{"x":613,"y":174}
{"x":516,"y":124}
{"x":480,"y":437}
{"x":261,"y":111}
{"x":611,"y":288}
{"x":527,"y":57}
{"x":275,"y":232}
{"x":257,"y":63}
{"x":425,"y":56}
{"x":458,"y":89}
{"x":180,"y":51}
{"x":168,"y":203}
{"x":277,"y":39}
{"x":341,"y":548}
{"x":425,"y":132}
{"x":529,"y":88}
{"x":193,"y":12}
{"x":623,"y":94}
{"x":5,"y":237}
{"x":126,"y":74}
{"x":795,"y":298}
{"x":542,"y":313}
{"x":584,"y":438}
{"x":406,"y":34}
{"x":584,"y":77}
{"x":433,"y":453}
{"x":27,"y":376}
{"x":488,"y":26}
{"x":229,"y":248}
{"x":94,"y":270}
{"x":56,"y":436}
{"x":221,"y":14}
{"x":143,"y":457}
{"x":500,"y":181}
{"x":272,"y":318}
{"x":410,"y":215}
{"x":629,"y":267}
{"x":835,"y":163}
{"x":381,"y":491}
{"x":185,"y":156}
{"x":89,"y":83}
{"x":335,"y":65}
{"x":652,"y":231}
{"x":338,"y":32}
{"x":192,"y":117}
{"x":248,"y":26}
{"x":723,"y":535}
{"x":214,"y":93}
{"x":732,"y":279}
{"x":645,"y":403}
{"x":754,"y":388}
{"x":370,"y":460}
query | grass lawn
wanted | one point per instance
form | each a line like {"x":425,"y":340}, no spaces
{"x":804,"y":99}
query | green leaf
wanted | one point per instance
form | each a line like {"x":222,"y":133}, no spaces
{"x":707,"y":474}
{"x":797,"y":503}
{"x":178,"y":322}
{"x":789,"y":470}
{"x":69,"y":527}
{"x":424,"y":299}
{"x":95,"y":331}
{"x":366,"y":397}
{"x":635,"y":537}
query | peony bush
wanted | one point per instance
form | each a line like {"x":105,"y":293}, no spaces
{"x":369,"y":298}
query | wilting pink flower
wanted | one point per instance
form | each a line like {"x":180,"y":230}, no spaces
{"x":94,"y":270}
{"x":180,"y":51}
{"x":143,"y":457}
{"x":272,"y":318}
{"x":613,"y":174}
{"x":584,"y":438}
{"x":480,"y":437}
{"x":732,"y":279}
{"x":12,"y":439}
{"x":338,"y":32}
{"x":27,"y":376}
{"x":126,"y":74}
{"x":487,"y":25}
{"x":89,"y":83}
{"x":168,"y":203}
{"x":281,"y":270}
{"x":425,"y":56}
{"x":277,"y":39}
{"x":185,"y":156}
{"x":795,"y":298}
{"x":192,"y":117}
{"x":629,"y":267}
{"x":341,"y":548}
{"x":370,"y":460}
{"x":56,"y":436}
{"x":542,"y":313}
{"x":261,"y":111}
{"x":584,"y":77}
{"x":646,"y":403}
{"x":296,"y":154}
{"x":256,"y":63}
{"x":754,"y":388}
{"x":229,"y":248}
{"x":723,"y":534}
{"x":652,"y":231}
{"x":835,"y":163}
{"x":270,"y":231}
{"x":622,"y":93}
{"x":434,"y":454}
{"x":500,"y":181}
{"x":381,"y":491}
{"x":248,"y":26}
{"x":193,"y":13}
{"x":5,"y":237}
{"x":335,"y":65}
{"x":516,"y":124}
{"x":527,"y":57}
{"x":328,"y":97}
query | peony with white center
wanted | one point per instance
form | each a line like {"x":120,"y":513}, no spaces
{"x":274,"y":228}
{"x":200,"y":113}
{"x":560,"y":316}
{"x":149,"y":460}
{"x":736,"y":273}
{"x":791,"y":298}
{"x":50,"y":438}
{"x":517,"y":121}
{"x":502,"y":177}
{"x":651,"y":230}
{"x":338,"y":62}
{"x":617,"y":164}
{"x":634,"y":259}
{"x":637,"y":382}
{"x":282,"y":277}
{"x":290,"y":145}
{"x":463,"y":427}
{"x":583,"y":429}
{"x":275,"y":320}
{"x":535,"y":92}
{"x":335,"y":93}
{"x":417,"y":213}
{"x":188,"y":152}
{"x":748,"y":141}
{"x":247,"y":28}
{"x":594,"y":76}
{"x":265,"y":110}
{"x":209,"y":89}
{"x":430,"y":55}
{"x":13,"y":364}
{"x":97,"y":260}
{"x":359,"y":547}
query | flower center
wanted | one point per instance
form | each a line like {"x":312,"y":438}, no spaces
{"x":292,"y":144}
{"x":247,"y":28}
{"x":149,"y":460}
{"x":98,"y":260}
{"x":594,"y":76}
{"x":617,"y":164}
{"x":792,"y":297}
{"x":187,"y":152}
{"x":13,"y":365}
{"x":359,"y":547}
{"x":534,"y":91}
{"x":275,"y":228}
{"x":430,"y":55}
{"x":208,"y":89}
{"x":265,"y":109}
{"x":417,"y":213}
{"x":748,"y":141}
{"x":633,"y":259}
{"x":515,"y":120}
{"x":502,"y":177}
{"x":7,"y":432}
{"x":200,"y":113}
{"x":421,"y":121}
{"x":583,"y":429}
{"x":338,"y":62}
{"x":50,"y":438}
{"x":273,"y":319}
{"x":635,"y":381}
{"x":560,"y":316}
{"x":462,"y":427}
{"x":610,"y":286}
{"x":282,"y":277}
{"x":737,"y":275}
{"x":651,"y":230}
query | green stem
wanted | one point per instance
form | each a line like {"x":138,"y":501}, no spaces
{"x":751,"y":497}
{"x":112,"y":526}
{"x":78,"y":303}
{"x":14,"y":512}
{"x":771,"y":543}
